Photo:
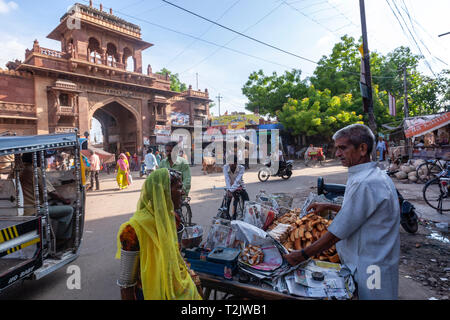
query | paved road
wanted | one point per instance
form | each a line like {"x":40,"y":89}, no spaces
{"x":109,"y":208}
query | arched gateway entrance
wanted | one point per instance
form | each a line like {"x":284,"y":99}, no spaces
{"x":121,"y":130}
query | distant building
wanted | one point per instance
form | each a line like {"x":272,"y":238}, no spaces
{"x":97,"y":74}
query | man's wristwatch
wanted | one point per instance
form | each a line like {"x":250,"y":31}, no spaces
{"x":304,"y":255}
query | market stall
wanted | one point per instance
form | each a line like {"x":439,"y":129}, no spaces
{"x":422,"y":137}
{"x":244,"y":258}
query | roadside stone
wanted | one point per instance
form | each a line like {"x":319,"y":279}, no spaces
{"x":444,"y":298}
{"x":432,"y":281}
{"x":433,"y":260}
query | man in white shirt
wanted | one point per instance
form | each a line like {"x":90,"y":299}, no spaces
{"x":366,"y":228}
{"x":94,"y":169}
{"x":234,"y":175}
{"x":150,"y":161}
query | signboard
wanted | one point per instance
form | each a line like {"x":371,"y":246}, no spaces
{"x":162,"y":133}
{"x":428,"y":126}
{"x":246,"y":119}
{"x":179,"y":119}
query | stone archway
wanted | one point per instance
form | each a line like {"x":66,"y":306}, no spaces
{"x":121,"y":125}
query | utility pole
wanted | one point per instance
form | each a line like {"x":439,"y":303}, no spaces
{"x":197,"y":80}
{"x":406,"y":110}
{"x":368,"y":75}
{"x":368,"y":101}
{"x":219,"y":98}
{"x":405,"y":87}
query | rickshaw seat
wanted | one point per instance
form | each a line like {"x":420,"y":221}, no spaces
{"x":7,"y":191}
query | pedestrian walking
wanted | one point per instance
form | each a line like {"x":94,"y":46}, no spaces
{"x":381,"y":149}
{"x":123,"y":171}
{"x":94,"y":169}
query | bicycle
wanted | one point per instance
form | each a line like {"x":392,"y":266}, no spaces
{"x":224,"y":210}
{"x":436,"y":192}
{"x":430,"y":170}
{"x":186,"y":212}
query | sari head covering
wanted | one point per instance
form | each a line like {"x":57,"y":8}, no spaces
{"x":123,"y":162}
{"x":164,"y":274}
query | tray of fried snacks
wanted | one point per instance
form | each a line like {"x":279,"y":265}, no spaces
{"x":281,"y":232}
{"x":289,"y":218}
{"x":252,"y":255}
{"x":306,"y":231}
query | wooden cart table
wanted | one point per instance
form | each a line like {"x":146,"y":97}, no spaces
{"x":238,"y":289}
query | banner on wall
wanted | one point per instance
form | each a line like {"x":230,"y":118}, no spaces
{"x":179,"y":119}
{"x":163,"y":133}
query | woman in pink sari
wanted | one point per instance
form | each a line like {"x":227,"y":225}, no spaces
{"x":123,"y":170}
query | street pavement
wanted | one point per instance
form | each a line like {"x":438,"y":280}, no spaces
{"x":107,"y":209}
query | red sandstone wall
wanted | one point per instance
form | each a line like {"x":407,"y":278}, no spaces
{"x":16,"y":87}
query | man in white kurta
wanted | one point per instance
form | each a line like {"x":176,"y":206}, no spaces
{"x":366,"y":228}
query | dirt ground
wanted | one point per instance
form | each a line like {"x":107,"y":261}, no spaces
{"x":426,"y":260}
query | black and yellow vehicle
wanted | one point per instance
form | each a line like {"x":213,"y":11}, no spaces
{"x":42,"y":205}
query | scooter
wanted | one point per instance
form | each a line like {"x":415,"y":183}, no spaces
{"x":144,"y":171}
{"x":284,"y":171}
{"x":408,"y":216}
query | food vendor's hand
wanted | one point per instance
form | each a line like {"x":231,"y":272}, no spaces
{"x":294,"y":258}
{"x":318,"y":207}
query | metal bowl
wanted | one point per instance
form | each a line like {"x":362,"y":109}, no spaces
{"x":188,"y":240}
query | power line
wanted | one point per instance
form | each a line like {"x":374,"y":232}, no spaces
{"x":218,"y":49}
{"x":207,"y":30}
{"x":231,"y":49}
{"x":240,"y":33}
{"x":401,"y":16}
{"x":405,"y":8}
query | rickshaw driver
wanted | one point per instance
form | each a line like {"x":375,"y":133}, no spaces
{"x":62,"y":214}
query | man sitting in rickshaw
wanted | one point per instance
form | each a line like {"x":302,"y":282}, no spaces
{"x":62,"y":214}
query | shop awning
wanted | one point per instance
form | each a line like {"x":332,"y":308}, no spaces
{"x":425,"y":127}
{"x":104,"y":156}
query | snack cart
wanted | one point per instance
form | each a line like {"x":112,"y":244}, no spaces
{"x":244,"y":258}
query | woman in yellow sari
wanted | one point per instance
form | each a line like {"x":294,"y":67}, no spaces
{"x":123,"y":170}
{"x":152,"y":231}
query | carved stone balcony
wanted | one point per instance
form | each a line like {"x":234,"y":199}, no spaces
{"x":17,"y":110}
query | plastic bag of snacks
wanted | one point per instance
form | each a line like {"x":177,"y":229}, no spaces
{"x":220,"y":235}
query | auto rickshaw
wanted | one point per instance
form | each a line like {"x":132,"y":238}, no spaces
{"x":30,"y":247}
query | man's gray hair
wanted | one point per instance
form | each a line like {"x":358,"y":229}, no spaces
{"x":357,"y":134}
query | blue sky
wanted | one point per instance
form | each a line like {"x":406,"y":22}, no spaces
{"x":308,"y":28}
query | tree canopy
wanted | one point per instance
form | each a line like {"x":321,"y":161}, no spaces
{"x":175,"y":83}
{"x":331,"y":98}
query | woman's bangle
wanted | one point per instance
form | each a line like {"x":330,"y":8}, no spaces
{"x":126,"y":286}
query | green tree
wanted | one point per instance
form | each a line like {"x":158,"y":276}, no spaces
{"x":319,"y":113}
{"x":268,"y":94}
{"x":175,"y":83}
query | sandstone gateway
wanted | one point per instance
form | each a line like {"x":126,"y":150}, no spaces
{"x":97,"y":74}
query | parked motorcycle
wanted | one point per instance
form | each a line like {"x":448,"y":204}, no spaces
{"x":284,"y":171}
{"x":408,"y":216}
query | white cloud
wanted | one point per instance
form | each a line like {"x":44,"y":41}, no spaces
{"x":12,"y":49}
{"x":6,"y":7}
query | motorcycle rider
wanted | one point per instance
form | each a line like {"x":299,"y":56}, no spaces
{"x":234,"y":174}
{"x":150,"y":161}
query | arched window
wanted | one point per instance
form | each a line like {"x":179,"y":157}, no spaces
{"x":128,"y":60}
{"x":94,"y":51}
{"x":111,"y":55}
